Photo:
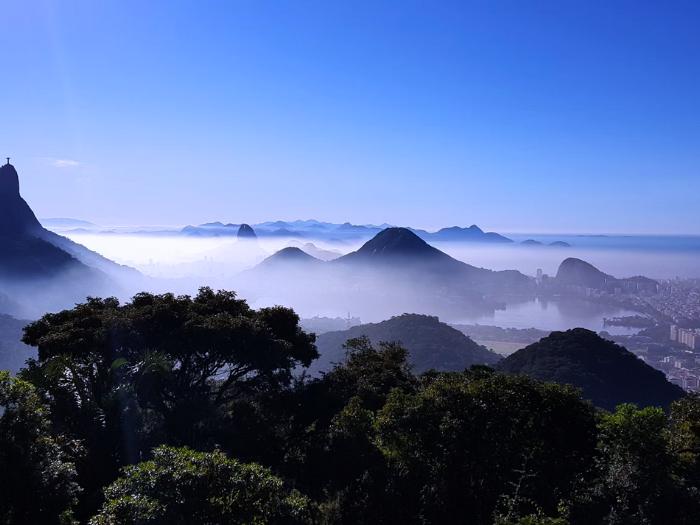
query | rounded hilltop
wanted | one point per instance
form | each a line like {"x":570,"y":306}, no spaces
{"x":246,"y":232}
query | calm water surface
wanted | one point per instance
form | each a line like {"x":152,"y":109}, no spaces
{"x":555,"y":315}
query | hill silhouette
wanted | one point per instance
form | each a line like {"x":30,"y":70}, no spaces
{"x":245,"y":232}
{"x":288,"y":255}
{"x":471,"y":234}
{"x":576,"y":272}
{"x":25,"y":251}
{"x":17,"y":219}
{"x":396,"y":243}
{"x":431,"y":344}
{"x":311,"y":229}
{"x":410,"y":257}
{"x":395,"y":267}
{"x":39,"y":268}
{"x":607,"y":373}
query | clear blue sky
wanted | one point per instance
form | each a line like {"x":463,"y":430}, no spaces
{"x":579,"y":116}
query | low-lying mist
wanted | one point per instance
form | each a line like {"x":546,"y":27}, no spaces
{"x":174,"y":256}
{"x":181,"y":264}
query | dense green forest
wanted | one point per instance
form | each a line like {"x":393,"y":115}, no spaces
{"x":607,"y":374}
{"x":181,"y":410}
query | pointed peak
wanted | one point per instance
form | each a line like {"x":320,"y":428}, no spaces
{"x":9,"y":180}
{"x":396,"y":241}
{"x":245,"y":231}
{"x":16,"y":217}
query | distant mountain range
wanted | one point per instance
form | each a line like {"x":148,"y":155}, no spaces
{"x":393,"y":270}
{"x":431,"y":345}
{"x":311,"y":229}
{"x":300,"y":229}
{"x":66,"y":223}
{"x":400,"y":255}
{"x":558,"y":244}
{"x":607,"y":373}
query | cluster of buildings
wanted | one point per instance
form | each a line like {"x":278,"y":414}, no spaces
{"x":678,"y":299}
{"x":674,"y":302}
{"x":667,"y":353}
{"x":686,"y":336}
{"x":682,"y":367}
{"x":681,"y":373}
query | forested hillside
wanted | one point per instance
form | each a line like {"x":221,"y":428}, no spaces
{"x":184,"y":410}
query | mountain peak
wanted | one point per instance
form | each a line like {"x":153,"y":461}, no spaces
{"x":396,"y":242}
{"x":245,"y":232}
{"x":16,"y":217}
{"x":472,"y":234}
{"x":290,"y":254}
{"x":608,"y":374}
{"x":575,"y":271}
{"x":431,"y":344}
{"x":9,"y":180}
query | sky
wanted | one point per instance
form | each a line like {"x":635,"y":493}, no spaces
{"x":533,"y":116}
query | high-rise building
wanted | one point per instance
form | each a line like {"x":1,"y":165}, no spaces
{"x":686,"y":336}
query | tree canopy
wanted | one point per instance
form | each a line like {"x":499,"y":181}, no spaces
{"x":170,"y":409}
{"x":38,"y":481}
{"x":179,"y":486}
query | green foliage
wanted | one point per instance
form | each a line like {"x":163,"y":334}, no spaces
{"x":370,"y":373}
{"x":181,"y":486}
{"x":160,"y":369}
{"x":635,"y":464}
{"x":163,"y":392}
{"x":607,"y":373}
{"x":335,"y":456}
{"x":685,"y":436}
{"x":637,"y":472}
{"x":37,"y":477}
{"x":464,"y":440}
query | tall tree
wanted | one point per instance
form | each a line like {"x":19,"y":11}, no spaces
{"x":158,"y":369}
{"x":179,"y":486}
{"x":466,"y":440}
{"x":37,"y":475}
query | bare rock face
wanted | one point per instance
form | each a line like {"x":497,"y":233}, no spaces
{"x":246,"y":232}
{"x":16,"y":217}
{"x":41,"y":271}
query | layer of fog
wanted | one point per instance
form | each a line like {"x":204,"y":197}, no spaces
{"x":182,"y":264}
{"x":656,"y":264}
{"x":219,"y":257}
